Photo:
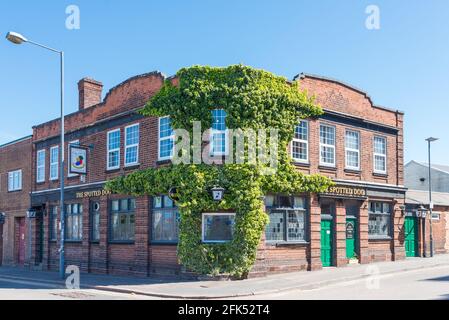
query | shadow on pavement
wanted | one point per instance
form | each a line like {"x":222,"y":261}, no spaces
{"x":444,"y":278}
{"x":22,"y":278}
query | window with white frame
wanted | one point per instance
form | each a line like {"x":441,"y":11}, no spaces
{"x":113,"y":157}
{"x":327,"y":145}
{"x":352,"y":149}
{"x":218,"y":227}
{"x":435,"y":215}
{"x":71,"y":143}
{"x":300,"y":143}
{"x":166,"y":138}
{"x":380,"y":154}
{"x":219,"y":143}
{"x":40,"y":166}
{"x":54,"y":162}
{"x":15,"y":180}
{"x":132,"y":145}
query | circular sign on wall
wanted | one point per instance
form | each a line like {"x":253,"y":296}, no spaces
{"x":172,"y":193}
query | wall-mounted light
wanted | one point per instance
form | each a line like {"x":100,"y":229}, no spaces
{"x":217,"y":193}
{"x":31,"y":213}
{"x":422,"y":212}
{"x":2,"y":217}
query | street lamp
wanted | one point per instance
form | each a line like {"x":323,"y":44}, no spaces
{"x":429,"y":140}
{"x":17,"y":38}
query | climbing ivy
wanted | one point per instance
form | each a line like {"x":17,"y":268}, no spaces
{"x":253,"y":99}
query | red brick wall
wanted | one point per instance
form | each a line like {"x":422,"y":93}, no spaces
{"x":336,"y":97}
{"x":13,"y":157}
{"x":89,"y":93}
{"x":16,"y":156}
{"x":440,"y":230}
{"x":132,"y":93}
{"x":344,"y":99}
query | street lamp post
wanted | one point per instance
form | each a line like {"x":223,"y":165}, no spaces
{"x":429,"y":140}
{"x":17,"y":38}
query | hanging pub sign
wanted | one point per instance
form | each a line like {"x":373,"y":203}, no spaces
{"x":340,"y":191}
{"x":78,"y":159}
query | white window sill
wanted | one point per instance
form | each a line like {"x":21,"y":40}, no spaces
{"x":132,"y":164}
{"x":301,"y":161}
{"x":331,"y":166}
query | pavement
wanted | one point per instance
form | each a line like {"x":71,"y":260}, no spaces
{"x":270,"y":285}
{"x":420,"y":284}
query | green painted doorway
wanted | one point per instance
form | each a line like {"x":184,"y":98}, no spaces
{"x":326,"y":243}
{"x":351,"y":237}
{"x":410,"y":235}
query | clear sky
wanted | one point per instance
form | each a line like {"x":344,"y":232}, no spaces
{"x":404,"y":65}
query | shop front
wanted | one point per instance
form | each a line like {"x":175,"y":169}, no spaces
{"x":340,"y":224}
{"x":361,"y":223}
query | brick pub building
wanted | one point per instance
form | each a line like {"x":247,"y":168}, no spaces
{"x":356,"y":143}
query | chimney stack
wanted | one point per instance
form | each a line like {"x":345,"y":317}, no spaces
{"x":89,"y":92}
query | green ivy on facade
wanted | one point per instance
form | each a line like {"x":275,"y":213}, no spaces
{"x":253,"y":99}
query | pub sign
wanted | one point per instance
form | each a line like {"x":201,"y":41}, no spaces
{"x":78,"y":159}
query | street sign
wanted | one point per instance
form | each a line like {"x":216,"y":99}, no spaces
{"x":78,"y":159}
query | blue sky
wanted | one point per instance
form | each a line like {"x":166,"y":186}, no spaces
{"x":404,"y":65}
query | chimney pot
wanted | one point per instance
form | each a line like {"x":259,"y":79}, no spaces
{"x":89,"y":93}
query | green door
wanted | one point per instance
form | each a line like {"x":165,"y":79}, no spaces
{"x":326,"y":243}
{"x":410,"y":233}
{"x":351,"y":237}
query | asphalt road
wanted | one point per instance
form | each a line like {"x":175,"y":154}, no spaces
{"x":430,"y":283}
{"x":27,"y":290}
{"x":426,"y":284}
